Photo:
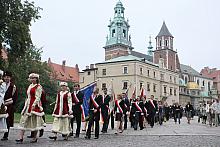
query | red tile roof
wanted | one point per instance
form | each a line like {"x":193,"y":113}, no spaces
{"x":64,"y":73}
{"x":211,"y":73}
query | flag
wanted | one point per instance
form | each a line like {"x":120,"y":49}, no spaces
{"x":142,"y":94}
{"x":134,"y":93}
{"x":87,"y":91}
{"x":112,"y":101}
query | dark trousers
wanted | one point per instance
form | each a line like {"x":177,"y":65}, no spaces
{"x":6,"y":133}
{"x":151,"y":119}
{"x":78,"y":118}
{"x":132,"y":119}
{"x":177,"y":116}
{"x":106,"y":120}
{"x":93,"y":117}
{"x":112,"y":120}
{"x":138,"y":118}
{"x":125,"y":121}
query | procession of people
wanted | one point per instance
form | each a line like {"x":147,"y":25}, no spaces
{"x":68,"y":107}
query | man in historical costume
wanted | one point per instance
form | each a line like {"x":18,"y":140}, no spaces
{"x":62,"y":113}
{"x":137,"y":107}
{"x":105,"y":110}
{"x":10,"y":99}
{"x":127,"y":109}
{"x":152,"y":108}
{"x":77,"y":100}
{"x":94,"y":113}
{"x":3,"y":113}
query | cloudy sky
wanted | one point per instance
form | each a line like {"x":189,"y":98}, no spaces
{"x":76,"y":30}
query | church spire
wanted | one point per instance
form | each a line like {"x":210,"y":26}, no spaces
{"x":164,"y":31}
{"x":118,"y":41}
{"x":118,"y":27}
{"x":150,"y":47}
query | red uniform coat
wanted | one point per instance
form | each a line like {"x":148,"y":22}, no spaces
{"x":63,"y":106}
{"x":34,"y":99}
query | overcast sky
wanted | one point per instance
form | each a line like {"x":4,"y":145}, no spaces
{"x":76,"y":30}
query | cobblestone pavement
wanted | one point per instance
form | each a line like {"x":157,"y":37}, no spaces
{"x":169,"y":134}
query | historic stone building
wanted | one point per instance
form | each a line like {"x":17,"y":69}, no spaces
{"x":127,"y":69}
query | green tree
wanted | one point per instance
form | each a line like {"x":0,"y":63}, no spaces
{"x":16,"y":17}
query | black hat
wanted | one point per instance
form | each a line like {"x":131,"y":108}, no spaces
{"x":7,"y":73}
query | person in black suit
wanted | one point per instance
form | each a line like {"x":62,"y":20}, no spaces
{"x":127,"y":109}
{"x":152,"y":108}
{"x":94,"y":113}
{"x":77,"y":100}
{"x":105,"y":110}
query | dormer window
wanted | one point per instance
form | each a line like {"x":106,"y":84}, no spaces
{"x":113,"y":33}
{"x":124,"y":33}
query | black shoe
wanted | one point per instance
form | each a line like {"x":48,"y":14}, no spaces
{"x":76,"y":136}
{"x":41,"y":133}
{"x":53,"y":137}
{"x":33,"y":141}
{"x":87,"y":137}
{"x":29,"y":136}
{"x":66,"y":138}
{"x":19,"y":140}
{"x":71,"y":134}
{"x":96,"y":138}
{"x":4,"y":139}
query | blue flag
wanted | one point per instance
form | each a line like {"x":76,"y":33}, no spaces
{"x":88,"y":90}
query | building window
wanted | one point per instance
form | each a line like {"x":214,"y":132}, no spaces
{"x":186,"y":80}
{"x":103,"y":72}
{"x":174,"y":92}
{"x":124,"y":33}
{"x":162,"y":77}
{"x":154,"y":88}
{"x":148,"y":73}
{"x":171,"y":79}
{"x":154,"y":74}
{"x":171,"y":91}
{"x":166,"y":42}
{"x":165,"y":89}
{"x":148,"y":86}
{"x":89,"y":73}
{"x":203,"y":83}
{"x":198,"y":81}
{"x":141,"y":84}
{"x":175,"y":80}
{"x":103,"y":86}
{"x":160,"y":42}
{"x":141,"y":71}
{"x":113,"y":33}
{"x":125,"y":85}
{"x":125,"y":70}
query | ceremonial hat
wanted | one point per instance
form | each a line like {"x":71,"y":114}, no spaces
{"x":63,"y":84}
{"x":34,"y":75}
{"x":7,"y":73}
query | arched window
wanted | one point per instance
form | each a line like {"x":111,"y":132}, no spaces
{"x":113,"y":33}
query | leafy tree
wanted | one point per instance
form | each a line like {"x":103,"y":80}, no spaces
{"x":16,"y":17}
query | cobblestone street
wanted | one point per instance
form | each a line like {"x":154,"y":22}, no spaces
{"x":169,"y":134}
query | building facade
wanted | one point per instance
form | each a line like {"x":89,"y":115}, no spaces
{"x":127,"y":70}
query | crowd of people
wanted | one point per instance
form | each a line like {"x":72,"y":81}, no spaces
{"x":68,"y":108}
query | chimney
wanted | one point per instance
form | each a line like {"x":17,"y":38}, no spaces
{"x":77,"y":67}
{"x":63,"y":65}
{"x":49,"y":61}
{"x":87,"y":67}
{"x":91,"y":66}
